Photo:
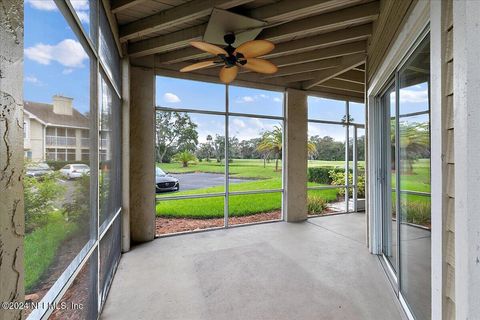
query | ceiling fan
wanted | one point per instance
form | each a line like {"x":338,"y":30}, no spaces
{"x":231,"y":58}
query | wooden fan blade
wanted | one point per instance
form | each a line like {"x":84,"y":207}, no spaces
{"x":208,"y":47}
{"x":255,"y":48}
{"x":227,"y":75}
{"x":260,"y":65}
{"x":198,"y":65}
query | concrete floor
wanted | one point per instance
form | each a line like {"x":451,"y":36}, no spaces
{"x":320,"y":269}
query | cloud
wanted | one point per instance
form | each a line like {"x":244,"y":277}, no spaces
{"x":68,"y":53}
{"x":67,"y":71}
{"x":256,"y":97}
{"x":81,"y":7}
{"x":171,"y":97}
{"x":45,"y":5}
{"x":32,"y":79}
{"x":413,"y":96}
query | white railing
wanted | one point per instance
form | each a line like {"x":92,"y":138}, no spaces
{"x":61,"y":141}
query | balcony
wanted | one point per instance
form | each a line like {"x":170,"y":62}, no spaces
{"x":318,"y":269}
{"x":56,"y":141}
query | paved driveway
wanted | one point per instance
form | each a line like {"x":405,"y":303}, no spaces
{"x":199,"y":180}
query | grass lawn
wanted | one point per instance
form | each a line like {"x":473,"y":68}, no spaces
{"x":267,"y":179}
{"x":41,"y":247}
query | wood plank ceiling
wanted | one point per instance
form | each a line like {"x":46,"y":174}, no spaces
{"x":321,"y":45}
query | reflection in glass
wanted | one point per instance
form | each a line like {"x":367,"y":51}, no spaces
{"x":414,"y":175}
{"x":57,"y":181}
{"x":255,"y":101}
{"x":255,"y":154}
{"x":390,"y":228}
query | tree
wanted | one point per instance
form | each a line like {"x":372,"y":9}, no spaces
{"x":272,"y":143}
{"x":414,"y":143}
{"x":185,"y":157}
{"x":328,"y":149}
{"x":175,"y":131}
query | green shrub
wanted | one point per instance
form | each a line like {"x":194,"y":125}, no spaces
{"x":40,"y":198}
{"x":338,"y":179}
{"x":316,"y":204}
{"x":321,"y":174}
{"x":57,"y":165}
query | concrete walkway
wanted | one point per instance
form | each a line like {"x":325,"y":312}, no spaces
{"x":320,"y":269}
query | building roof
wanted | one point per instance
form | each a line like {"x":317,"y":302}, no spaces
{"x":44,"y":112}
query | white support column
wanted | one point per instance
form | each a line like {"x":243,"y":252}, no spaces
{"x":142,"y":134}
{"x":296,"y":125}
{"x":466,"y":44}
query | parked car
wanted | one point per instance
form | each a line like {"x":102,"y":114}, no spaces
{"x":165,"y":182}
{"x":73,"y":171}
{"x":38,"y":169}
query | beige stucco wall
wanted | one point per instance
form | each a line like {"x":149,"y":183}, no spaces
{"x":12,"y":221}
{"x":36,"y":140}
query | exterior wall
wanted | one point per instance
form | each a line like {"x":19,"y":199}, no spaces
{"x":466,"y":119}
{"x":443,"y":162}
{"x":36,"y":135}
{"x":12,"y":221}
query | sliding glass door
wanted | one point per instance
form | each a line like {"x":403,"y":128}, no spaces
{"x":406,"y":237}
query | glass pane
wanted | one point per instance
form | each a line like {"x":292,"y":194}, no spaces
{"x":110,"y":250}
{"x":255,"y":101}
{"x":190,"y":153}
{"x":326,"y":109}
{"x":82,"y":10}
{"x":390,"y":228}
{"x":414,"y":173}
{"x":326,"y":201}
{"x":188,"y":94}
{"x":80,"y":300}
{"x":107,"y":49}
{"x":182,"y":215}
{"x":58,"y":202}
{"x":255,"y":150}
{"x":250,"y":208}
{"x":357,"y":112}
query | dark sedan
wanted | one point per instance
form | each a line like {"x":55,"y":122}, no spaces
{"x":164,"y":182}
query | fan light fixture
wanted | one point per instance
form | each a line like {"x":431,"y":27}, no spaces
{"x":232,"y":58}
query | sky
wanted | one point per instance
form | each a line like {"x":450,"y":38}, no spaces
{"x":55,"y":62}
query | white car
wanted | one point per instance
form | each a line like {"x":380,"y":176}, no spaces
{"x":73,"y":171}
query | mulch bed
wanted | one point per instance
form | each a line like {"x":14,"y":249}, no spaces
{"x":174,"y":225}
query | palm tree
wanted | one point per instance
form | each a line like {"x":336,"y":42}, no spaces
{"x":272,"y":142}
{"x":184,"y":157}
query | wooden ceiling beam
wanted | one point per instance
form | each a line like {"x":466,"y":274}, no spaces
{"x":354,"y":76}
{"x":343,"y":85}
{"x":121,"y":5}
{"x":321,"y":54}
{"x":305,"y":67}
{"x":337,"y":94}
{"x":304,"y":44}
{"x":357,"y":15}
{"x":174,"y":16}
{"x":348,"y":62}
